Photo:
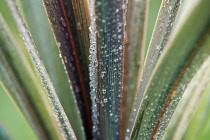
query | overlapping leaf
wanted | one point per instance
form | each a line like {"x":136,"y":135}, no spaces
{"x":70,"y":22}
{"x":193,"y":97}
{"x":48,"y":51}
{"x":173,"y":72}
{"x":29,"y":96}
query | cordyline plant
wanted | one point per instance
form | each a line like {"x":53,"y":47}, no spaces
{"x":82,"y":69}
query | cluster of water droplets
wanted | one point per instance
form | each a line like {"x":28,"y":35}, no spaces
{"x":93,"y":65}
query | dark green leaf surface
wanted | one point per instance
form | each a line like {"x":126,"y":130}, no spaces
{"x":106,"y":64}
{"x":71,"y":33}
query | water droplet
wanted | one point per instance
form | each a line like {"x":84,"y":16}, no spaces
{"x":105,"y":100}
{"x":79,"y":27}
{"x":63,"y":22}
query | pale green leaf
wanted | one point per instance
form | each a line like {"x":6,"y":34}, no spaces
{"x":173,"y":72}
{"x":29,"y":96}
{"x":192,"y":97}
{"x":59,"y":112}
{"x":199,"y":127}
{"x":161,"y":33}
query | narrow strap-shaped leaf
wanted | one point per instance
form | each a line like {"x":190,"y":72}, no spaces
{"x":71,"y":34}
{"x":6,"y":14}
{"x":59,"y":112}
{"x":199,"y":126}
{"x":8,"y":120}
{"x":39,"y":27}
{"x":4,"y":135}
{"x":134,"y":56}
{"x":154,"y":7}
{"x":173,"y":72}
{"x":192,"y":97}
{"x":106,"y":65}
{"x":14,"y":77}
{"x":161,"y":33}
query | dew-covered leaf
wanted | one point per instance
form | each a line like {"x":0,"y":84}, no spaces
{"x":106,"y":65}
{"x":70,"y":21}
{"x":29,"y":96}
{"x":192,"y":97}
{"x":154,"y":7}
{"x":5,"y":12}
{"x":39,"y":27}
{"x":58,"y":109}
{"x":134,"y":55}
{"x":161,"y":33}
{"x":174,"y":70}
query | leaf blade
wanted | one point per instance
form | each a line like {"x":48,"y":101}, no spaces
{"x":71,"y":34}
{"x":191,"y":48}
{"x":194,"y":95}
{"x":59,"y":112}
{"x":38,"y":24}
{"x":22,"y":92}
{"x":106,"y":65}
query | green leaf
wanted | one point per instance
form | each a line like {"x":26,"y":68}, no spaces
{"x":173,"y":72}
{"x":29,"y":96}
{"x":133,"y":59}
{"x":8,"y":110}
{"x":154,"y":7}
{"x":161,"y":33}
{"x":5,"y":12}
{"x":192,"y":97}
{"x":59,"y":112}
{"x":200,"y":125}
{"x":39,"y":27}
{"x":106,"y":65}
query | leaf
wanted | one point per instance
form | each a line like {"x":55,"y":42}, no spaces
{"x":5,"y":12}
{"x":192,"y":97}
{"x":59,"y":112}
{"x":106,"y":65}
{"x":154,"y":7}
{"x":40,"y":30}
{"x":171,"y":76}
{"x":27,"y":95}
{"x":69,"y":21}
{"x":161,"y":33}
{"x":134,"y":56}
{"x":200,"y":125}
{"x":8,"y":109}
